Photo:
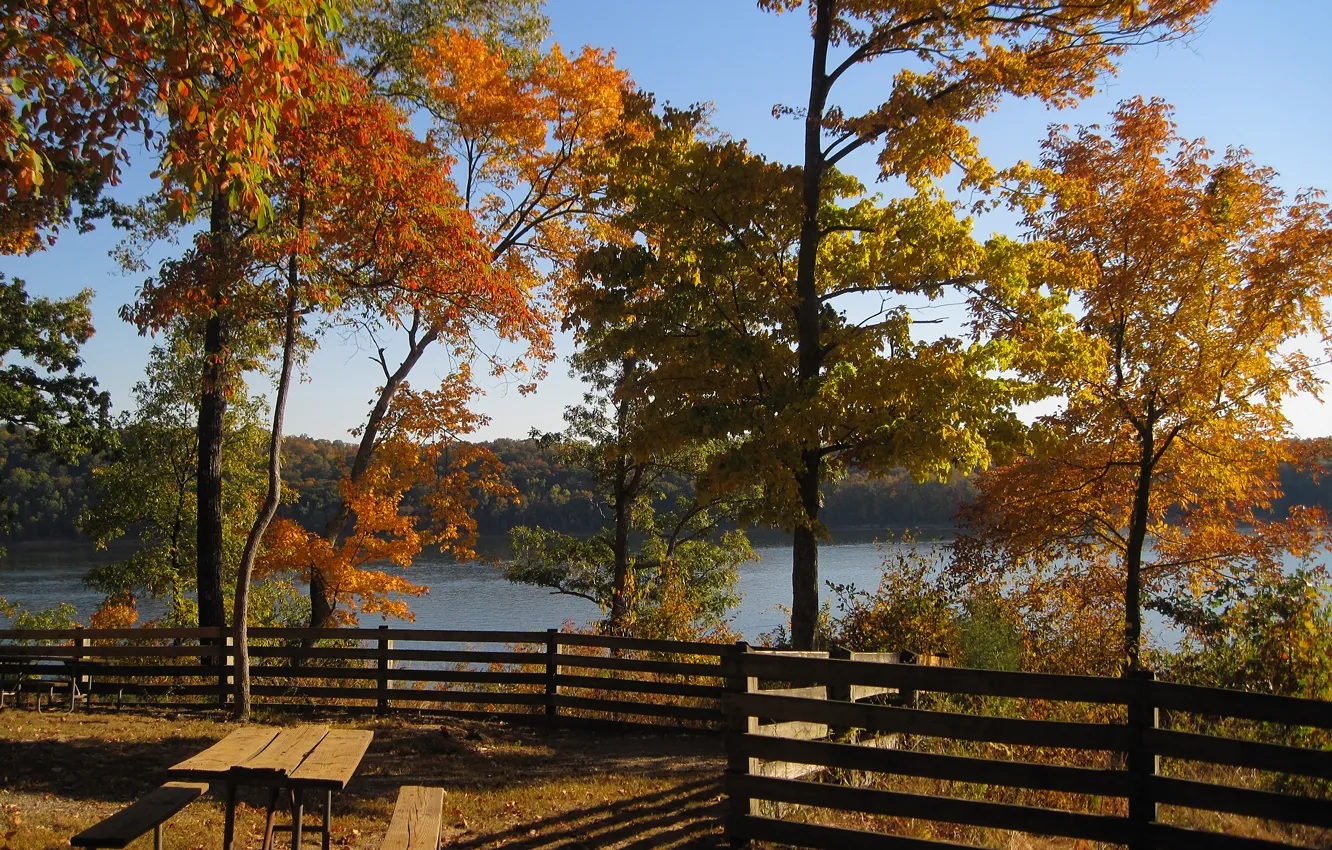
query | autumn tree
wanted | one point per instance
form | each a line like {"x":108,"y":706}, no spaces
{"x":80,"y":80}
{"x":1198,"y":281}
{"x":955,"y":63}
{"x":697,"y":286}
{"x":522,"y":134}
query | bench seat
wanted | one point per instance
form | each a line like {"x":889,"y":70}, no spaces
{"x":148,"y":813}
{"x":417,"y":817}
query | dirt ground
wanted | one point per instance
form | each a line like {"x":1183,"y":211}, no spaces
{"x":505,"y":785}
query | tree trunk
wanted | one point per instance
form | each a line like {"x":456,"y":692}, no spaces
{"x":212,"y":422}
{"x":805,"y":560}
{"x":619,"y":586}
{"x":241,"y":611}
{"x":805,"y":552}
{"x":321,"y":603}
{"x":1137,"y":536}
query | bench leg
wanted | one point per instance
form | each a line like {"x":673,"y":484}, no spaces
{"x":328,"y":818}
{"x":229,"y":825}
{"x":273,"y":795}
{"x":297,"y":817}
{"x":157,"y":838}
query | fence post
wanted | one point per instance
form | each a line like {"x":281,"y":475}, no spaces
{"x":738,"y":723}
{"x":1141,"y":763}
{"x":839,"y":692}
{"x":552,"y":671}
{"x":76,"y":679}
{"x":227,"y":671}
{"x":382,"y":666}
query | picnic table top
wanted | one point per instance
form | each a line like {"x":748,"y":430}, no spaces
{"x":309,"y":756}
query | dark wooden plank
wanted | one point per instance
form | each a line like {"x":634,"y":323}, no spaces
{"x":641,"y":708}
{"x":883,"y":718}
{"x":333,"y":761}
{"x":1290,"y":808}
{"x":494,"y":697}
{"x":791,"y":833}
{"x":417,"y":817}
{"x":642,"y":687}
{"x":216,"y":761}
{"x":958,"y":680}
{"x":469,"y":656}
{"x":94,"y":652}
{"x":113,"y":634}
{"x":438,"y":655}
{"x":1264,"y":707}
{"x":678,"y":668}
{"x":155,"y":807}
{"x":284,"y":753}
{"x":1017,"y":774}
{"x":1168,"y":837}
{"x":947,"y":809}
{"x":174,"y":671}
{"x":108,"y":690}
{"x":674,"y":647}
{"x":310,"y":692}
{"x":1251,"y":754}
{"x":397,"y":674}
{"x":428,"y":635}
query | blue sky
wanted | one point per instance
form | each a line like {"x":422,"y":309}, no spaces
{"x":1257,"y":75}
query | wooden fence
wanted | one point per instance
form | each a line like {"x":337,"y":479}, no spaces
{"x":501,"y":674}
{"x":1107,"y":771}
{"x":811,"y":740}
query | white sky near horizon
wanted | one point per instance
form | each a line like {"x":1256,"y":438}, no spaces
{"x":1256,"y":75}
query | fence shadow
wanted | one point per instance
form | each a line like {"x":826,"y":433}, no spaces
{"x":685,"y":816}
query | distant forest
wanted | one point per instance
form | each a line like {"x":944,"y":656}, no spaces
{"x":41,"y":498}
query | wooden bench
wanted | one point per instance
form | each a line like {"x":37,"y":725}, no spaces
{"x":149,"y":812}
{"x":417,"y":817}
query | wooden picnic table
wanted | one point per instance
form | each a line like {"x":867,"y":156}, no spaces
{"x":288,"y":761}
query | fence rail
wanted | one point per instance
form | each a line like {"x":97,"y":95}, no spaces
{"x":558,"y":675}
{"x":808,"y":735}
{"x":984,"y":741}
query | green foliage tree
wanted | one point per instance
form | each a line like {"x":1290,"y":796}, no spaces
{"x":698,"y":284}
{"x":660,"y":567}
{"x":146,"y":493}
{"x":44,"y":395}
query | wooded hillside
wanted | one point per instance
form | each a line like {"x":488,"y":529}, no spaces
{"x":42,"y":497}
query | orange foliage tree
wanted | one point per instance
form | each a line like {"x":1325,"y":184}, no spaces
{"x":1197,"y":279}
{"x":79,"y":77}
{"x":529,"y":132}
{"x":955,"y":63}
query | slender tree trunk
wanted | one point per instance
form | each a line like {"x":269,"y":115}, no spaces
{"x":805,"y":551}
{"x":241,"y":611}
{"x":1137,"y":536}
{"x":212,"y":422}
{"x":321,"y":604}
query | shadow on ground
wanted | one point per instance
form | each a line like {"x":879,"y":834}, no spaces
{"x":505,"y":785}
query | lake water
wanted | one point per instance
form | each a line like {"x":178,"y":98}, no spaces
{"x":473,"y":596}
{"x":476,"y":596}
